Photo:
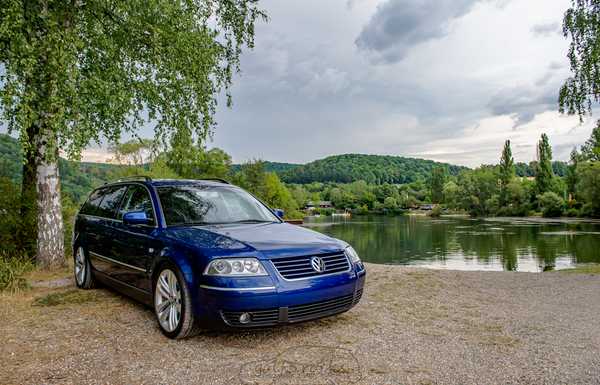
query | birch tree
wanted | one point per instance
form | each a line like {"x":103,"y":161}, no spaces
{"x":79,"y":71}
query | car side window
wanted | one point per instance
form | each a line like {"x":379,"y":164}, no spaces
{"x":137,"y":199}
{"x":92,"y":205}
{"x":110,"y":202}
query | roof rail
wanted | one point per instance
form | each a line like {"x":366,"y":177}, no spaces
{"x":216,"y":180}
{"x":135,"y":177}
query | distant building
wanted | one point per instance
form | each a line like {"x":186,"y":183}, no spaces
{"x":321,"y":204}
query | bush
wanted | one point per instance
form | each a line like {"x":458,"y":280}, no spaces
{"x":12,"y":270}
{"x":552,"y":205}
{"x":436,"y":212}
{"x":572,"y":212}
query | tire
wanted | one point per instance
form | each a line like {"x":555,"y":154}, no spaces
{"x":172,"y":303}
{"x":82,"y":270}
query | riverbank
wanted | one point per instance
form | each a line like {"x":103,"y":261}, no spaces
{"x":413,"y":326}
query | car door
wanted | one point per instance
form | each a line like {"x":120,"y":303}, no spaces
{"x":90,"y":229}
{"x":135,"y":245}
{"x":104,"y":222}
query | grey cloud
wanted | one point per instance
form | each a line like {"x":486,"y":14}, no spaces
{"x":398,"y":25}
{"x":524,"y":103}
{"x":546,"y":29}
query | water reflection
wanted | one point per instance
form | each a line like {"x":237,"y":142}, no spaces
{"x":466,"y":244}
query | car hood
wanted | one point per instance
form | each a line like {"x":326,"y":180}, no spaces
{"x":272,"y":240}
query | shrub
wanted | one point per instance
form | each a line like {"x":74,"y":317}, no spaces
{"x":12,"y":270}
{"x":552,"y":205}
{"x":572,"y":212}
{"x":436,"y":212}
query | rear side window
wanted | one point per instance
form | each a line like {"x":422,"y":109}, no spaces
{"x":110,"y":201}
{"x":137,"y":199}
{"x":92,"y":205}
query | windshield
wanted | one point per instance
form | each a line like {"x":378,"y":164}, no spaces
{"x":206,"y":205}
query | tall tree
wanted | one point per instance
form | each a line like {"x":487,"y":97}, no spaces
{"x":544,"y":173}
{"x":572,"y":176}
{"x":81,"y":71}
{"x":436,"y":184}
{"x":581,"y":24}
{"x":507,"y":171}
{"x":591,"y":149}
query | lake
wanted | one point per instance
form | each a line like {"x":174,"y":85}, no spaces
{"x":463,"y":243}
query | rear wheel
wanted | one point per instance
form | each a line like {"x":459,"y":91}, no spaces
{"x":172,"y":303}
{"x":82,"y":270}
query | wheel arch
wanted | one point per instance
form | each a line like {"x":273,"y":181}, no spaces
{"x":181,"y":259}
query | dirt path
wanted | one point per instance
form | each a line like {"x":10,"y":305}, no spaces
{"x":412,"y":327}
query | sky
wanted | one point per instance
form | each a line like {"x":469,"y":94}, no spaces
{"x":448,"y":80}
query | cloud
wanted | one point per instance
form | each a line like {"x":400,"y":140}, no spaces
{"x":546,"y":29}
{"x":398,"y":25}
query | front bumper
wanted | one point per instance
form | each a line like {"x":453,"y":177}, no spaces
{"x":283,"y":302}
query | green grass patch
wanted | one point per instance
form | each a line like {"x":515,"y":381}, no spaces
{"x":12,"y":271}
{"x":585,"y":269}
{"x":72,"y":296}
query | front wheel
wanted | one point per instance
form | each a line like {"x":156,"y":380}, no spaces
{"x":172,"y":303}
{"x":82,"y":270}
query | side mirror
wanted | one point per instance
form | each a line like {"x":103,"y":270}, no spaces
{"x":136,"y":218}
{"x":279,"y":213}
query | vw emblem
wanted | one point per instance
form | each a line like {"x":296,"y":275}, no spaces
{"x":317,"y":264}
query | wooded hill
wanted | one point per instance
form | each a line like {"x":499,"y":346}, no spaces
{"x":78,"y":178}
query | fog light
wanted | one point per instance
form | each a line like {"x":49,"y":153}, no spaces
{"x":245,"y":318}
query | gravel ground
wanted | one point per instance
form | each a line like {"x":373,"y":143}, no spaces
{"x":413,"y":326}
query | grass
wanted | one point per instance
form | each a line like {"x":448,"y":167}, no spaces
{"x":71,"y":296}
{"x":12,"y":273}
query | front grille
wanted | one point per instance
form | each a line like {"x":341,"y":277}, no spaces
{"x":297,"y":313}
{"x":357,"y":296}
{"x":258,"y":317}
{"x":300,"y":267}
{"x":320,"y":309}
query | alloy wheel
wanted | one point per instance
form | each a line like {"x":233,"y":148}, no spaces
{"x":80,"y":266}
{"x":167,"y":300}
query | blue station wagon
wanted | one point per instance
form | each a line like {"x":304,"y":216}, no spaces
{"x":207,"y":254}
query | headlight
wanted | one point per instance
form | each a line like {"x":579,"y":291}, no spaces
{"x":235,"y":267}
{"x":352,"y":254}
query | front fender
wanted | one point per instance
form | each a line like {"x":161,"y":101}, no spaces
{"x":185,"y":260}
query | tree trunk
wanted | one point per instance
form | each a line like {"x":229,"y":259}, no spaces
{"x":50,"y":228}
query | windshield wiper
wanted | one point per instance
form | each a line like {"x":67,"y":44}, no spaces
{"x":192,"y":224}
{"x":252,"y":221}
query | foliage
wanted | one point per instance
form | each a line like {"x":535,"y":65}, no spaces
{"x":528,"y":170}
{"x":12,"y":270}
{"x":451,"y":194}
{"x":581,"y":24}
{"x":544,"y":172}
{"x":99,"y":69}
{"x":135,"y":152}
{"x":436,"y":184}
{"x":373,"y":169}
{"x":268,"y":187}
{"x":552,"y":205}
{"x":279,"y":168}
{"x":76,"y":72}
{"x":591,"y":149}
{"x":588,"y":187}
{"x":477,"y":188}
{"x":10,"y":217}
{"x":506,"y":171}
{"x":436,"y":211}
{"x":572,"y":177}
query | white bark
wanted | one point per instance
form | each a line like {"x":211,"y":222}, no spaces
{"x":50,"y":240}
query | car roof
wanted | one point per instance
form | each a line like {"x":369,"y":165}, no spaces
{"x":170,"y":182}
